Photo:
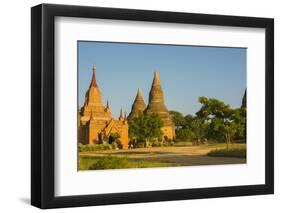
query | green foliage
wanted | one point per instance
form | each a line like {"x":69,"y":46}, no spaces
{"x":93,"y":147}
{"x":140,"y":144}
{"x":157,"y":144}
{"x":233,"y":152}
{"x":182,"y":143}
{"x":80,"y":147}
{"x":199,"y":127}
{"x":178,"y":119}
{"x":114,"y":145}
{"x":168,"y":143}
{"x":114,"y":162}
{"x":184,"y":134}
{"x":146,"y":127}
{"x":215,"y":120}
{"x":223,"y":121}
{"x":183,"y":126}
{"x":110,"y":162}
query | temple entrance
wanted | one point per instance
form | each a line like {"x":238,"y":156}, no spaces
{"x":100,"y":138}
{"x":110,"y":139}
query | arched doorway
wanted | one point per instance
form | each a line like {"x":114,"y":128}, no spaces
{"x":110,"y":139}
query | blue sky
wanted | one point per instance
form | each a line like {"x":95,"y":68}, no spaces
{"x":185,"y":72}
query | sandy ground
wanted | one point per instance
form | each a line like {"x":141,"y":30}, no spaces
{"x":182,"y":156}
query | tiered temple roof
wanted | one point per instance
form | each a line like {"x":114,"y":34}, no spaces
{"x":93,"y":102}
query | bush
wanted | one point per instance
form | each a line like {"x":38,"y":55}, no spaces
{"x":182,"y":143}
{"x":170,"y":143}
{"x":184,"y":134}
{"x":81,"y":147}
{"x":105,"y":146}
{"x":140,"y":145}
{"x":114,"y":145}
{"x":179,"y":140}
{"x":234,"y":152}
{"x":93,"y":147}
{"x":156,"y":144}
{"x":110,"y":162}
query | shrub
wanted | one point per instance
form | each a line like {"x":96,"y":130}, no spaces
{"x":110,"y":162}
{"x":156,"y":144}
{"x":140,"y":145}
{"x":234,"y":152}
{"x":114,"y":145}
{"x":93,"y":147}
{"x":106,"y":146}
{"x":170,"y":143}
{"x":81,"y":147}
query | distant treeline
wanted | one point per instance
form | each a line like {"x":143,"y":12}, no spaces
{"x":215,"y":120}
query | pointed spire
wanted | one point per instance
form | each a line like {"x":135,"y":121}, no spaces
{"x":107,"y":104}
{"x":139,"y":95}
{"x":125,"y":116}
{"x":156,"y":103}
{"x":94,"y":79}
{"x":139,"y":92}
{"x":138,"y":106}
{"x":156,"y":80}
{"x":156,"y":93}
{"x":121,"y":115}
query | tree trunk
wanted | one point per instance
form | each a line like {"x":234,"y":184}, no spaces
{"x":146,"y":142}
{"x":227,"y":142}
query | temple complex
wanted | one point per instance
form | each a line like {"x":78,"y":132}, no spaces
{"x":156,"y":104}
{"x":95,"y":122}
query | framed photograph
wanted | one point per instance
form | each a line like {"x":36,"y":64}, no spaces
{"x":136,"y":106}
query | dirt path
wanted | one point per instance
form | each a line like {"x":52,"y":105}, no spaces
{"x":182,"y":156}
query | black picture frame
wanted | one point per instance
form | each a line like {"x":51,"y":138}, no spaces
{"x":43,"y":105}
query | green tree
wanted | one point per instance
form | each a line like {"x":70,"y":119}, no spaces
{"x":183,"y":126}
{"x":184,"y":134}
{"x":178,"y":119}
{"x":146,"y":127}
{"x":223,"y":120}
{"x":188,"y":120}
{"x":199,"y":127}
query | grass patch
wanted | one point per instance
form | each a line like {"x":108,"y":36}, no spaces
{"x":223,"y":145}
{"x":114,"y":162}
{"x":183,"y":143}
{"x":233,"y":152}
{"x":95,"y":147}
{"x":110,"y":162}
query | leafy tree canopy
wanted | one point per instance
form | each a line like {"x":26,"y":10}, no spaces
{"x":146,"y":127}
{"x":222,"y":119}
{"x":178,"y":119}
